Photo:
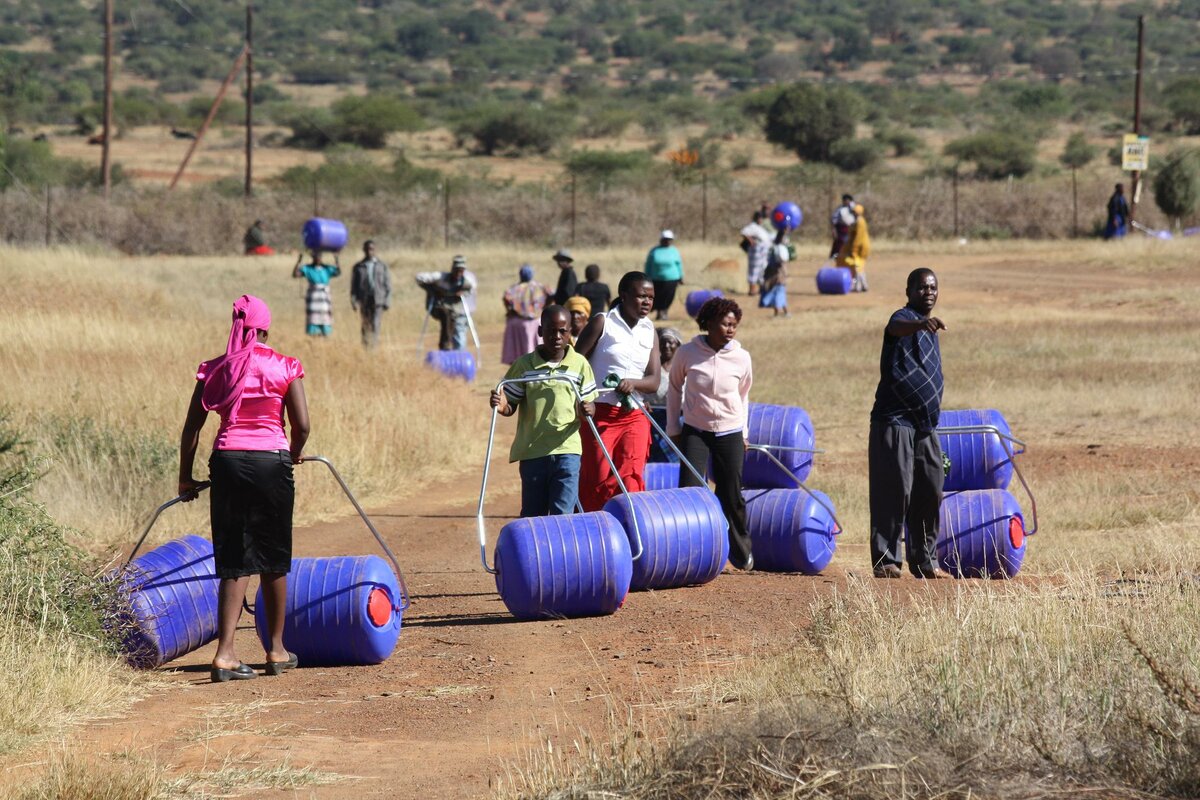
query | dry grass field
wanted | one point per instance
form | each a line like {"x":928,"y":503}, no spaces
{"x":1083,"y":672}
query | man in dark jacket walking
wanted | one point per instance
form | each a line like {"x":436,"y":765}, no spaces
{"x":370,"y":293}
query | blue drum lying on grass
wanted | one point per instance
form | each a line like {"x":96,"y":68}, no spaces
{"x":698,"y":298}
{"x":982,"y":534}
{"x":341,"y":611}
{"x":453,"y":363}
{"x":324,"y":234}
{"x":789,"y":530}
{"x":834,"y":280}
{"x":170,"y":596}
{"x":785,"y":426}
{"x":574,"y":565}
{"x":977,"y":460}
{"x":684,"y":536}
{"x":661,"y":475}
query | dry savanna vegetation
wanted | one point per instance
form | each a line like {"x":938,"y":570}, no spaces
{"x":1080,"y":676}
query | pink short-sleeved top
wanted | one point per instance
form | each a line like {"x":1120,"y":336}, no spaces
{"x":259,"y":421}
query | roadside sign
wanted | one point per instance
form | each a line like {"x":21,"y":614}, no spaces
{"x":1135,"y":153}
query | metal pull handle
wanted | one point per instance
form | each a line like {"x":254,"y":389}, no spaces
{"x":487,"y":463}
{"x":1006,"y":441}
{"x":766,"y":451}
{"x":404,"y":600}
{"x":158,"y":512}
{"x":470,"y":327}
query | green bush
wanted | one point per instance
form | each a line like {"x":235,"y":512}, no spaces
{"x":854,"y":155}
{"x":510,"y":131}
{"x":350,"y":172}
{"x":367,"y":121}
{"x":809,"y":120}
{"x":995,"y":154}
{"x":1183,"y":99}
{"x":594,"y":167}
{"x":1177,"y":184}
{"x":1077,"y":153}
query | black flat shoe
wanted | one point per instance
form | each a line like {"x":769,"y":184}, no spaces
{"x":280,"y":667}
{"x":239,"y":673}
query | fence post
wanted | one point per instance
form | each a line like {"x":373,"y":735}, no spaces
{"x":572,"y":209}
{"x":956,"y":200}
{"x":47,"y":215}
{"x":704,"y":207}
{"x":446,"y":214}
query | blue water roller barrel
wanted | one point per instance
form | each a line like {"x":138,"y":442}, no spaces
{"x":324,"y":234}
{"x":573,"y":565}
{"x":453,"y":363}
{"x":685,"y":536}
{"x":341,"y":611}
{"x":698,"y":298}
{"x":789,"y":530}
{"x":786,"y":216}
{"x":977,"y":460}
{"x":834,"y":280}
{"x":786,"y":426}
{"x":982,"y":534}
{"x":661,"y":475}
{"x":170,"y":602}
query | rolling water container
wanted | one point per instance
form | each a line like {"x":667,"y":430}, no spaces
{"x":698,"y":298}
{"x":789,"y":530}
{"x":661,"y":475}
{"x":453,"y":363}
{"x":977,"y":460}
{"x":834,"y":280}
{"x":982,"y":534}
{"x":786,"y":426}
{"x":341,"y":611}
{"x":684,"y":535}
{"x":572,"y":565}
{"x":324,"y":234}
{"x":172,"y":602}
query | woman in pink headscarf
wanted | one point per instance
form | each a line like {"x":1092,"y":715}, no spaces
{"x":251,"y":473}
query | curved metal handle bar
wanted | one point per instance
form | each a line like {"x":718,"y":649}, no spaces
{"x":487,"y":464}
{"x":404,"y":603}
{"x":157,"y":513}
{"x":765,"y":450}
{"x":637,"y":401}
{"x":1005,"y":439}
{"x":787,"y":449}
{"x":424,"y":327}
{"x":470,"y":326}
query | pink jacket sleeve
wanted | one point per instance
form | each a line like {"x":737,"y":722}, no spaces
{"x":744,"y":389}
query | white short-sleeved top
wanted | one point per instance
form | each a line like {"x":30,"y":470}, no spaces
{"x":622,"y":350}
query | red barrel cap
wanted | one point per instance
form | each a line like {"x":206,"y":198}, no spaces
{"x":379,"y":607}
{"x":1016,"y":532}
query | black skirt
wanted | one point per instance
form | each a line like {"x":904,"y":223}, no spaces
{"x":251,"y":499}
{"x":664,"y":294}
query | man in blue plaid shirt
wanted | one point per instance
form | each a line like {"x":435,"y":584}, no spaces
{"x":904,"y":456}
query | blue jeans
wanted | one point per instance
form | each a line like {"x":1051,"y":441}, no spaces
{"x":549,"y":485}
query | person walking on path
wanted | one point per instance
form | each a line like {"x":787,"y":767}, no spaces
{"x":903,"y":453}
{"x":756,"y":241}
{"x":843,"y":218}
{"x":623,"y":350}
{"x":1118,"y":214}
{"x":567,"y":281}
{"x":664,"y":266}
{"x":370,"y":293}
{"x":581,"y":311}
{"x":547,"y":444}
{"x":254,"y":243}
{"x":318,"y":304}
{"x":598,"y":295}
{"x":250,"y":469}
{"x":854,"y":253}
{"x":448,"y":299}
{"x":774,"y":277}
{"x":709,"y":386}
{"x":523,"y":304}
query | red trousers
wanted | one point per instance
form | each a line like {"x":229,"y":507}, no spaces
{"x":626,"y":432}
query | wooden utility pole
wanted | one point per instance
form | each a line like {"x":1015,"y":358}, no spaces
{"x":106,"y":145}
{"x":1137,"y":119}
{"x":572,"y":209}
{"x":249,"y":99}
{"x":212,"y":112}
{"x":955,"y":184}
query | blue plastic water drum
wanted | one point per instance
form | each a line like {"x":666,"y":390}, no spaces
{"x":789,"y":530}
{"x":786,"y":216}
{"x":341,"y":611}
{"x":573,"y":565}
{"x":698,"y":298}
{"x":453,"y":363}
{"x":834,"y":280}
{"x":324,"y":234}
{"x":982,"y":534}
{"x":171,"y":594}
{"x":785,"y":426}
{"x":977,"y":460}
{"x":661,"y":475}
{"x":685,"y":537}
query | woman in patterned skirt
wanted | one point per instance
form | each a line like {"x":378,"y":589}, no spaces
{"x":318,"y":305}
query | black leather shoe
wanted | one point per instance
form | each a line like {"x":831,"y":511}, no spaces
{"x":239,"y":673}
{"x":888,"y":571}
{"x":745,"y":566}
{"x":280,"y":667}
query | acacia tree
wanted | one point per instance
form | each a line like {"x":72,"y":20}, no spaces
{"x":1077,"y":153}
{"x":1177,"y":185}
{"x":809,"y":120}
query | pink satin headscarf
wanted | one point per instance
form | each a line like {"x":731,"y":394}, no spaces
{"x":223,"y":389}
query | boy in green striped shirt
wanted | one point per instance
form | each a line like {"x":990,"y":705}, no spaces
{"x":547,"y":443}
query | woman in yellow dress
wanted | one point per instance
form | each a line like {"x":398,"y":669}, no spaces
{"x":855,"y":251}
